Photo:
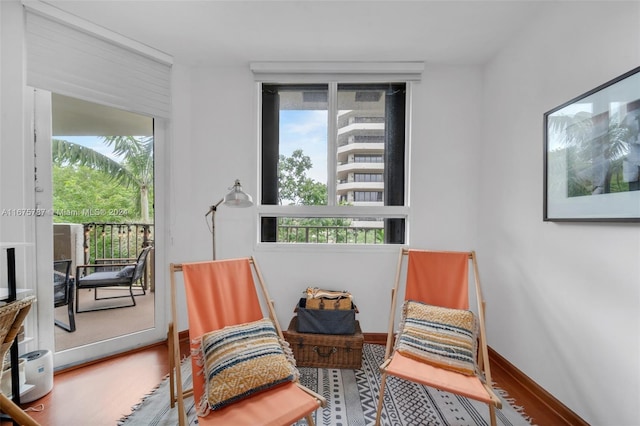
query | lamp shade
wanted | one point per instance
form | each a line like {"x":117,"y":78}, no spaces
{"x":237,"y":197}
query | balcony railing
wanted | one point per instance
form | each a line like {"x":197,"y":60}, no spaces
{"x":330,"y":234}
{"x":120,"y":243}
{"x":115,"y":240}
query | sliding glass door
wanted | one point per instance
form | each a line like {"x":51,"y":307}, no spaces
{"x":95,"y":183}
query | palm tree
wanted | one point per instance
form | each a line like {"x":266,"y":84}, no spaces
{"x":135,"y":169}
{"x":594,"y":155}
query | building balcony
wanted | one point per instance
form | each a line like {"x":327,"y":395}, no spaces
{"x":361,"y":128}
{"x":371,"y":148}
{"x":368,"y":203}
{"x":359,"y":186}
{"x":360,"y":167}
{"x":368,"y":224}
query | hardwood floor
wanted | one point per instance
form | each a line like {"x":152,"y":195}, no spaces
{"x":103,"y":392}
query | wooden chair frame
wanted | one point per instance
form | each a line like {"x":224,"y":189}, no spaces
{"x":483,"y":354}
{"x":177,"y":393}
{"x":12,"y":315}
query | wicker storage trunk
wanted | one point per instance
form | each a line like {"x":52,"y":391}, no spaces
{"x":325,"y":350}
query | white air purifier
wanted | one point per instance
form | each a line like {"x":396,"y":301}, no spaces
{"x":39,"y":373}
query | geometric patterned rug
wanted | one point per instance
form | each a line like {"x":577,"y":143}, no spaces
{"x":352,"y":397}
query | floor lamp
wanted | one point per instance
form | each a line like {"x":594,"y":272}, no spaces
{"x":235,"y":198}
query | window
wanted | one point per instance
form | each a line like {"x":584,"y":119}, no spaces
{"x":367,"y":195}
{"x":367,"y":158}
{"x":367,"y":177}
{"x":333,"y":154}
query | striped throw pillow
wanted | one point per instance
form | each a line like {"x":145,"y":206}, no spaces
{"x":241,"y":360}
{"x":443,"y":337}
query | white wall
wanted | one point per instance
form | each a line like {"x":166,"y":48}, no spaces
{"x":563,"y":297}
{"x":14,"y":162}
{"x":223,"y":144}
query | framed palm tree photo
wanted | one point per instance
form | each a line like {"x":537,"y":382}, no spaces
{"x":592,"y":154}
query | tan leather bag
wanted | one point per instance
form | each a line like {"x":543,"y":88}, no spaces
{"x":328,"y":299}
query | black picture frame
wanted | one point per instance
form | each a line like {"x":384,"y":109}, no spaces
{"x":592,"y":154}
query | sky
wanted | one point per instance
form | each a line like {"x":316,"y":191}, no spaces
{"x":94,"y":142}
{"x":307,"y":130}
{"x":298,"y":129}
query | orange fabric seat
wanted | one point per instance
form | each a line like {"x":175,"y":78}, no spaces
{"x":416,"y":371}
{"x":223,"y":293}
{"x":283,"y":405}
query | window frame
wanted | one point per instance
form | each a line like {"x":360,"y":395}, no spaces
{"x":325,"y":73}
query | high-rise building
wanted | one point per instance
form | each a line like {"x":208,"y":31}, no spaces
{"x":360,"y":169}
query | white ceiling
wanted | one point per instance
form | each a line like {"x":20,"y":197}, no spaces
{"x":74,"y":117}
{"x":216,"y":32}
{"x":228,"y":33}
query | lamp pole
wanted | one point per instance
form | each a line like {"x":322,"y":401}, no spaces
{"x":236,"y":198}
{"x":212,"y":211}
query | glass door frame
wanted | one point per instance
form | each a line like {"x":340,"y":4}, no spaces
{"x":41,"y":136}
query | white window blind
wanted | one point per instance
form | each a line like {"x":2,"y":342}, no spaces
{"x":71,"y":59}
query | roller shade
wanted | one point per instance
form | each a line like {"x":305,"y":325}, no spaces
{"x":345,"y":72}
{"x":67,"y":59}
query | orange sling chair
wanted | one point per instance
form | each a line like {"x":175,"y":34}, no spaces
{"x":221,"y":293}
{"x":439,"y":279}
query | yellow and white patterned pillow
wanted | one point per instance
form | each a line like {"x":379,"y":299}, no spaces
{"x":241,"y":360}
{"x":446,"y":338}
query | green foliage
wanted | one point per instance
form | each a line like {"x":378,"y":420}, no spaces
{"x":137,"y":155}
{"x":109,"y":241}
{"x":134,"y":171}
{"x":65,"y":153}
{"x":618,"y":185}
{"x":84,"y":195}
{"x":594,"y":158}
{"x":326,"y":230}
{"x":294,"y":186}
